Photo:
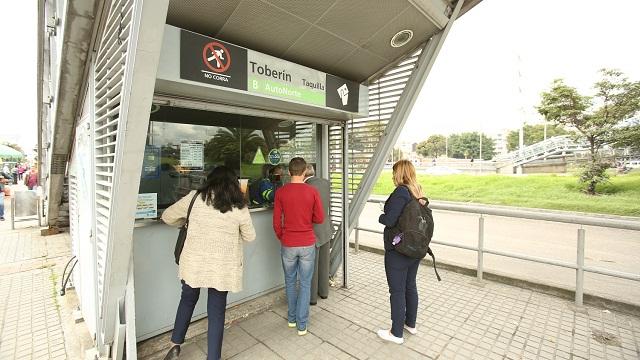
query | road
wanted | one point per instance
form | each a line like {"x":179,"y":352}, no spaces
{"x":606,"y":248}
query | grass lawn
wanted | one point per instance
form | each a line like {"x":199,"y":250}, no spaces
{"x":621,"y":196}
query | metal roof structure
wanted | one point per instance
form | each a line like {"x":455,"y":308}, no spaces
{"x":348,"y":38}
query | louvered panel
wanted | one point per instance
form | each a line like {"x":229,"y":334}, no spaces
{"x":365,"y":133}
{"x":108,"y":79}
{"x":73,"y":208}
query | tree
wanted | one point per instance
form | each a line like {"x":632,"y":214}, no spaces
{"x":628,"y":136}
{"x":596,"y":118}
{"x":532,"y":135}
{"x":434,"y":146}
{"x":225,"y":145}
{"x":13,"y":146}
{"x":467,"y":146}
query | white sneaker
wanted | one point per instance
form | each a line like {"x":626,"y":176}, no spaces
{"x":386,"y":334}
{"x":411,"y":330}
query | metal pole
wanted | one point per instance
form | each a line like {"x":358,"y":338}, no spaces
{"x":345,"y":208}
{"x":480,"y":153}
{"x":580,"y":268}
{"x":12,"y":206}
{"x":357,"y":244}
{"x":480,"y":268}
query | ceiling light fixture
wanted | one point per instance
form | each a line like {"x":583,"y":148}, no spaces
{"x":401,"y":38}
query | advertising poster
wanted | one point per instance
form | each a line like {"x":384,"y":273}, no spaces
{"x":147,"y":206}
{"x":151,"y":162}
{"x":192,"y":154}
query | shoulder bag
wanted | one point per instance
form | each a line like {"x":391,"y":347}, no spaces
{"x":182,"y":235}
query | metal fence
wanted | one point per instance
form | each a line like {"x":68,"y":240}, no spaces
{"x":581,"y":220}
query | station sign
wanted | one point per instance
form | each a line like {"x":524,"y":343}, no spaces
{"x":215,"y":62}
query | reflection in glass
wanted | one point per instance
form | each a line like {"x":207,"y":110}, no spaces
{"x":184,"y":144}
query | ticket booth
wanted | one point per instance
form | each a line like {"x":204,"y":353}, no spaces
{"x":273,"y":110}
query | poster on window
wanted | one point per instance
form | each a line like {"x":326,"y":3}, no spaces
{"x":147,"y":206}
{"x":192,"y":154}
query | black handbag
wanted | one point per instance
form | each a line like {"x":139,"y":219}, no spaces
{"x":182,"y":235}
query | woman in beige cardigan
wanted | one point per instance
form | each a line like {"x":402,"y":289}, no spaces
{"x":212,"y":254}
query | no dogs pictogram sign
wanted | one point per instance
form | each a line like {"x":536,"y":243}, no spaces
{"x":216,"y":57}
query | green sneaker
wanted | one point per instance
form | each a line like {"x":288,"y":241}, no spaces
{"x":292,"y":325}
{"x":302,"y":332}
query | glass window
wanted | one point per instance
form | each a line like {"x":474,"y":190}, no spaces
{"x":184,"y":144}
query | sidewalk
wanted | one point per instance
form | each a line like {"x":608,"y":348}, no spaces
{"x":32,"y":314}
{"x":458,"y":319}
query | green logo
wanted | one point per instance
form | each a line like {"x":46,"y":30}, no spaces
{"x":274,"y":157}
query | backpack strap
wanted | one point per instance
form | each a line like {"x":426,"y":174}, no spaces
{"x":434,"y":263}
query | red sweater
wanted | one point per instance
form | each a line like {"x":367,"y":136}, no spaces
{"x":297,"y":206}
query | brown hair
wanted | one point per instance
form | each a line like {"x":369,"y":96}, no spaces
{"x":297,"y":166}
{"x":404,"y":173}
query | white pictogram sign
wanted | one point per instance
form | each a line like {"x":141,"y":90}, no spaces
{"x":343,"y":92}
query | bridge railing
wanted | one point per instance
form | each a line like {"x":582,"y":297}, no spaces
{"x":577,"y":219}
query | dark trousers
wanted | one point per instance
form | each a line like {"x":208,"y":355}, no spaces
{"x":403,"y":293}
{"x":216,"y":304}
{"x":320,"y":280}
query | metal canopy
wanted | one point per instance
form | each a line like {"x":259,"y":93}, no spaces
{"x":348,"y":38}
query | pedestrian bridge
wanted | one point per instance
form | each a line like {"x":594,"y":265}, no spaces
{"x":549,"y":148}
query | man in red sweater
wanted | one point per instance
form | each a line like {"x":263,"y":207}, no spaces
{"x":296,"y":207}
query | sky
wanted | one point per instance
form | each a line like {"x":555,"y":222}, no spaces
{"x":502,"y":54}
{"x":493,"y":66}
{"x":18,"y":36}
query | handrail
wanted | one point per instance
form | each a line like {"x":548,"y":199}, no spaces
{"x":534,"y":214}
{"x":531,"y":214}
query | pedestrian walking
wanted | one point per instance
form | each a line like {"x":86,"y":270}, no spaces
{"x":212,"y":256}
{"x":31,"y":180}
{"x":400,"y":270}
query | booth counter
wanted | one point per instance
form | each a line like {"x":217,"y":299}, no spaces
{"x":157,"y":289}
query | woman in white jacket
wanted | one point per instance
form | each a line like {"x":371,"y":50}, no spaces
{"x":212,"y":255}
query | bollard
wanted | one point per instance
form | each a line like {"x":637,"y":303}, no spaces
{"x":479,"y":270}
{"x":580,"y":267}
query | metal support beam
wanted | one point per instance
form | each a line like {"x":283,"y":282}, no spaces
{"x":345,"y":206}
{"x":78,"y":24}
{"x":399,"y":118}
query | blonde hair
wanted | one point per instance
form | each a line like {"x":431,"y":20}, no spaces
{"x":404,"y":173}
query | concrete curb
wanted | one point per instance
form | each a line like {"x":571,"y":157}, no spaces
{"x":563,"y":293}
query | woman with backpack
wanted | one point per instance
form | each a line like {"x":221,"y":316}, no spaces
{"x":401,"y":270}
{"x":212,"y":255}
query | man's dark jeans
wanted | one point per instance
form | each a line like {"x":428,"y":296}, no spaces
{"x":216,"y":304}
{"x":401,"y":276}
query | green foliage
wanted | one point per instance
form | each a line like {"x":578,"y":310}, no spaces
{"x":15,"y":147}
{"x":225,"y":145}
{"x":597,"y":118}
{"x":593,"y":174}
{"x":628,"y":135}
{"x":467,"y":146}
{"x":434,"y":146}
{"x":619,"y":196}
{"x":533,"y":134}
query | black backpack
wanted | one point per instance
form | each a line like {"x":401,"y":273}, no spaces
{"x":415,"y":225}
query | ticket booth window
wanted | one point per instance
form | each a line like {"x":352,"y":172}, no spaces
{"x":183,"y":145}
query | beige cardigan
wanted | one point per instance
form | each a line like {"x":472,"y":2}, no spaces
{"x":212,"y":254}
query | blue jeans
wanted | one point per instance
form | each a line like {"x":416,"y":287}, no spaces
{"x":2,"y":205}
{"x":216,"y":305}
{"x":403,"y":293}
{"x":298,"y":262}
